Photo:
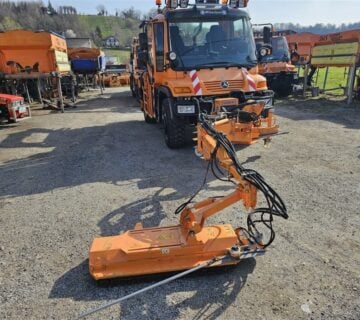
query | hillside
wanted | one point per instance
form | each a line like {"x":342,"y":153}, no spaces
{"x":121,"y":28}
{"x":33,"y":16}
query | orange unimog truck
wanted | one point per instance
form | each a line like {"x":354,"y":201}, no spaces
{"x":135,"y":70}
{"x":199,"y":57}
{"x":275,"y":64}
{"x":24,"y":51}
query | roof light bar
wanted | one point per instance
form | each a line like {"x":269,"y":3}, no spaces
{"x":183,"y":3}
{"x":173,"y":4}
{"x":234,"y":3}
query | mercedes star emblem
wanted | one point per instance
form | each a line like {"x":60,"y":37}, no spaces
{"x":225,"y":84}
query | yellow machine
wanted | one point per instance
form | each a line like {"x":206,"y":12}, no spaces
{"x":192,"y":56}
{"x":190,"y":243}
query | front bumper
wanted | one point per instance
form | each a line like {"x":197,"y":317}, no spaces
{"x":206,"y":104}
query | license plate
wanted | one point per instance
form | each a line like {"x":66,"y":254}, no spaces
{"x":22,"y":109}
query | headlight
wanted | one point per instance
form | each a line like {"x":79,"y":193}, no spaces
{"x":263,"y":52}
{"x":180,"y":90}
{"x":172,"y":56}
{"x":261,"y":84}
{"x":186,"y":108}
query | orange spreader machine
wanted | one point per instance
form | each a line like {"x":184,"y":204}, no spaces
{"x":191,"y":243}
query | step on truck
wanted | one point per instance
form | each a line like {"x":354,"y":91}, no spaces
{"x":201,"y":57}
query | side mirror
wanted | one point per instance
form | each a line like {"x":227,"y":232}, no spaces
{"x":267,"y":35}
{"x":143,"y":45}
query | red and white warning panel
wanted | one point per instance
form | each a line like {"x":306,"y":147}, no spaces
{"x":250,"y":80}
{"x":195,"y":82}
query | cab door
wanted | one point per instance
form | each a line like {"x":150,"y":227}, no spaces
{"x":159,"y":49}
{"x":155,"y":66}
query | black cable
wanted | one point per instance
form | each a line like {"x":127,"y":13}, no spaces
{"x":183,"y":205}
{"x":275,"y":205}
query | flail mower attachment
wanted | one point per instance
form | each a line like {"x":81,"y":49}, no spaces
{"x":244,"y":123}
{"x":185,"y":246}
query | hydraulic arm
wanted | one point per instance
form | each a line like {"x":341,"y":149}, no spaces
{"x":191,"y":243}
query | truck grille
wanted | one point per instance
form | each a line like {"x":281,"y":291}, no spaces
{"x":215,"y":86}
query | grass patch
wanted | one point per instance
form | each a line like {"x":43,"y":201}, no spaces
{"x":122,"y":29}
{"x":337,"y":76}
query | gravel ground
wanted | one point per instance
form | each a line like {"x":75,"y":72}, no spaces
{"x":98,"y":169}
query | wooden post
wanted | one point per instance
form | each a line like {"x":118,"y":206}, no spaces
{"x":73,"y":95}
{"x":350,"y":83}
{"x":27,"y":92}
{"x":39,"y":92}
{"x":306,"y":73}
{"x":61,"y":99}
{"x":326,"y":77}
{"x":87,"y":82}
{"x":101,"y":80}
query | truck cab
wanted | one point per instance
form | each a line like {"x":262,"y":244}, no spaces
{"x":274,"y":60}
{"x":192,"y":56}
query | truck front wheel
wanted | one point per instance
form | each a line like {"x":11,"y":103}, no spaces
{"x":174,"y":128}
{"x":148,"y":119}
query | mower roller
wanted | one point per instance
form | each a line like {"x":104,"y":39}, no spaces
{"x":143,"y":251}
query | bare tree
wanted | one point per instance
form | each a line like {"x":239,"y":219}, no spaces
{"x":101,"y":9}
{"x":131,"y":13}
{"x":151,"y":14}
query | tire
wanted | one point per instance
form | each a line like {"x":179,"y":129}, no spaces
{"x":148,"y":119}
{"x":132,"y":86}
{"x":282,"y":86}
{"x":284,"y":90}
{"x":174,"y":129}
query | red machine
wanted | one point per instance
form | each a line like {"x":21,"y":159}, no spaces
{"x":13,"y":108}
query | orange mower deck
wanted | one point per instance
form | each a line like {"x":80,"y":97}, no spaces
{"x":157,"y":250}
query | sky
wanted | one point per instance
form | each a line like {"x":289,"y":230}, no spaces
{"x":304,"y":12}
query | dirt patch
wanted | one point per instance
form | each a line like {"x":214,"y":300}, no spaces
{"x":98,"y":169}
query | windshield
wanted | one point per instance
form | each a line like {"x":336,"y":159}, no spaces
{"x":208,"y":44}
{"x":280,"y":50}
